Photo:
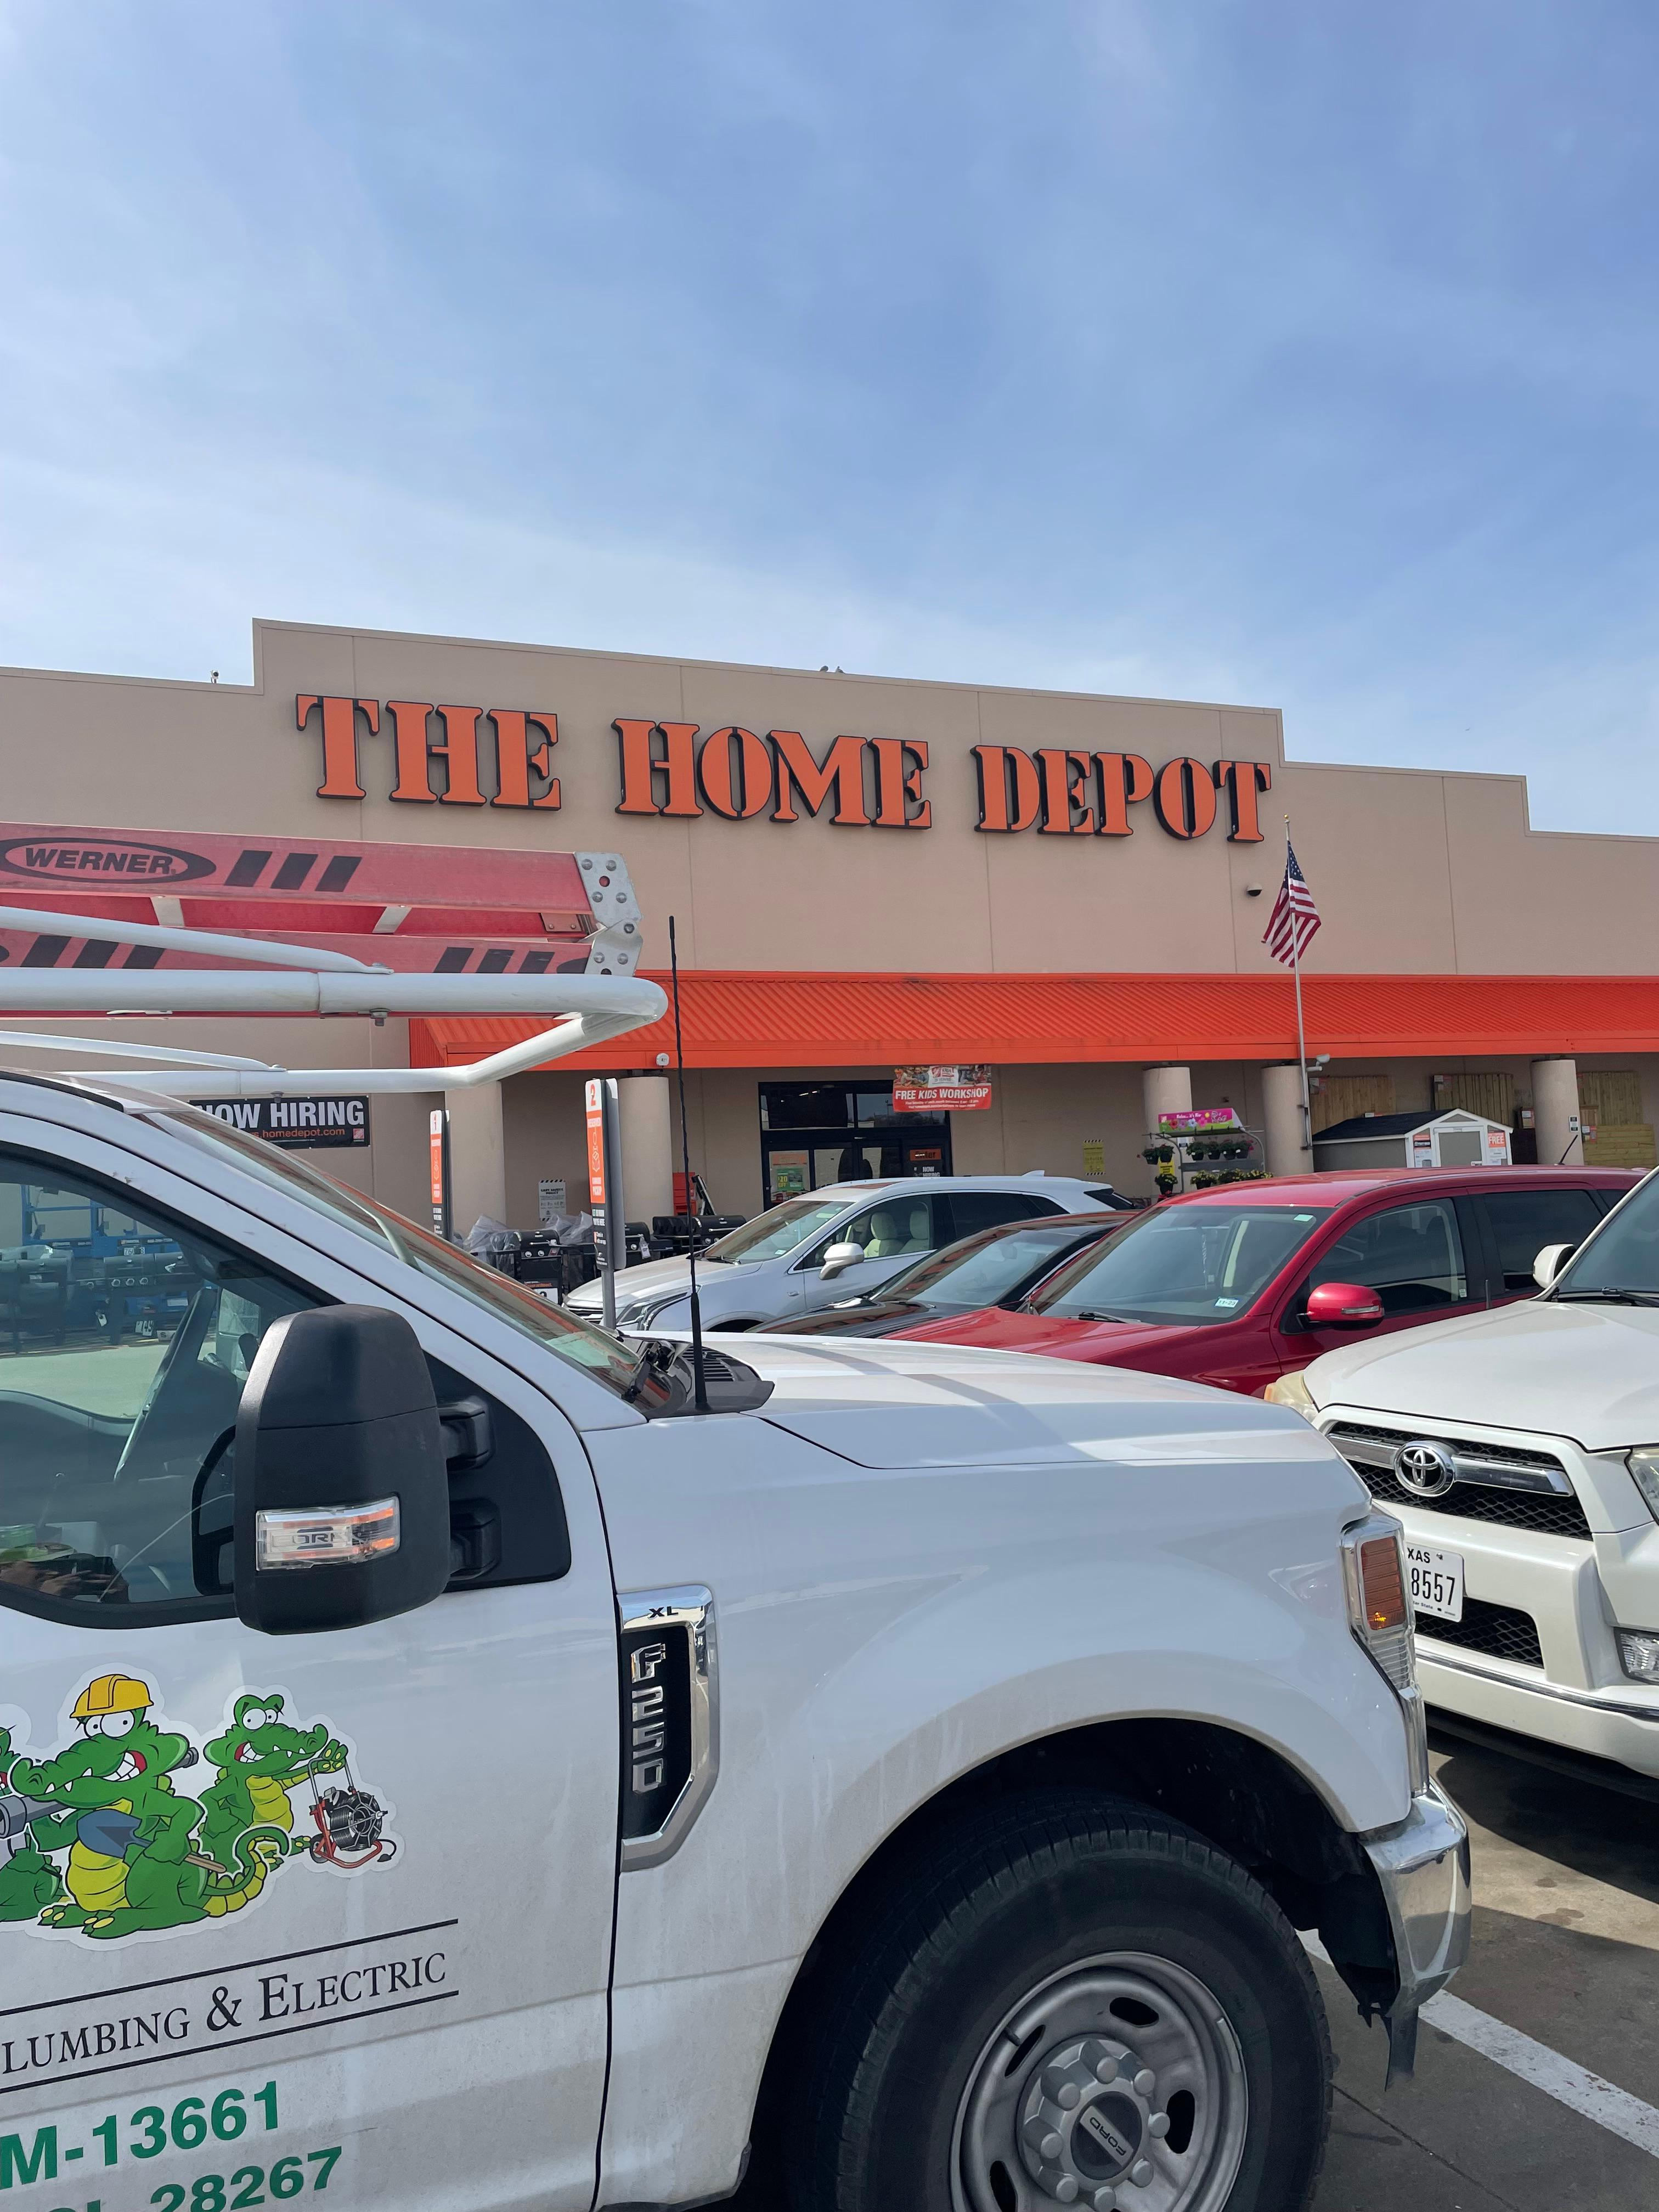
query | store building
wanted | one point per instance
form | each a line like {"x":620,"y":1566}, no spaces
{"x":1061,"y":895}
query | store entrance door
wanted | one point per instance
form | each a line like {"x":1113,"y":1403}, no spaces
{"x":812,"y":1133}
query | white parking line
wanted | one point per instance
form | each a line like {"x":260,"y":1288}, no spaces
{"x":1569,"y":2084}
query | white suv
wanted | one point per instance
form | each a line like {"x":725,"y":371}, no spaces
{"x":837,"y":1241}
{"x":1521,"y":1450}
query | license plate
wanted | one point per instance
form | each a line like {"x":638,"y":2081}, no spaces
{"x":1437,"y":1582}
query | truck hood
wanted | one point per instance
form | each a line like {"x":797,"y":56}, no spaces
{"x":1587,"y":1372}
{"x":898,"y":1404}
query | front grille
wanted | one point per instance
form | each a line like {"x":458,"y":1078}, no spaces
{"x":1500,"y":1631}
{"x":1466,"y":1447}
{"x":1546,"y":1513}
{"x":1467,"y":1501}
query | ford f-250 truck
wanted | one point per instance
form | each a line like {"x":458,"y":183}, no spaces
{"x":441,"y":1766}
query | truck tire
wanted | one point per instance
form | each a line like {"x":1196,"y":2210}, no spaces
{"x":1078,"y":2002}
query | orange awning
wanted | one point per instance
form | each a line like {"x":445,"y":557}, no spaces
{"x":735,"y":1020}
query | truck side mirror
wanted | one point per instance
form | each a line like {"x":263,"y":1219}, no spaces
{"x":1549,"y":1263}
{"x":1343,"y":1305}
{"x":341,"y":1489}
{"x":836,"y":1260}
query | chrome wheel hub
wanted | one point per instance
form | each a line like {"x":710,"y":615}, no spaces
{"x":1116,"y":2083}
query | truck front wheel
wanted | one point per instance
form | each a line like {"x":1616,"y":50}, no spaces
{"x":1078,"y":2002}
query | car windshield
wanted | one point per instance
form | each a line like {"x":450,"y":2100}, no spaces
{"x":981,"y":1270}
{"x":778,"y":1231}
{"x":554,"y":1328}
{"x":1621,"y":1260}
{"x":1182,"y":1264}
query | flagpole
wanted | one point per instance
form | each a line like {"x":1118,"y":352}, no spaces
{"x":1301,"y":1033}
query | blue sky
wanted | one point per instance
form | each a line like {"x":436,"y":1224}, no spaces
{"x":1297,"y":354}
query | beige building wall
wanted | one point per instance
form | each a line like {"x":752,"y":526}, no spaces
{"x":1416,"y":872}
{"x":1039,"y":1118}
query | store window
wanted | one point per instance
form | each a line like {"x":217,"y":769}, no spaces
{"x":814,"y":1133}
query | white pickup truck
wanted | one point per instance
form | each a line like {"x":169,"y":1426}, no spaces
{"x":441,"y":1768}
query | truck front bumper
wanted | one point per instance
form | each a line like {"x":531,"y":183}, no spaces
{"x":1422,"y":1866}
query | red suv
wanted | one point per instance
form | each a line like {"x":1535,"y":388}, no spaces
{"x":1247,"y":1282}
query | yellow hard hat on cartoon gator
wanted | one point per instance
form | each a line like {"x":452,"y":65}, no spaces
{"x":112,"y":1693}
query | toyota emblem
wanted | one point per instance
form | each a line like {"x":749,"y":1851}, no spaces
{"x":1427,"y":1470}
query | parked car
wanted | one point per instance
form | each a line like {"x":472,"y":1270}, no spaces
{"x":917,"y":1765}
{"x":1521,"y":1450}
{"x":999,"y":1267}
{"x":1237,"y":1286}
{"x":839,"y":1242}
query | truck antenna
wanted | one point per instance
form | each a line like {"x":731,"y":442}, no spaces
{"x":699,"y":1378}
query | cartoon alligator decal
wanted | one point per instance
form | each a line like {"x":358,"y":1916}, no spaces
{"x":260,"y":1759}
{"x":103,"y":1842}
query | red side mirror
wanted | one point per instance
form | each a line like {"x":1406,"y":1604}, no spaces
{"x":1343,"y":1305}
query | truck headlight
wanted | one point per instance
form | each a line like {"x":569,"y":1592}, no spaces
{"x":1643,"y":1464}
{"x":1638,"y":1653}
{"x":1379,"y":1610}
{"x":1380,"y":1615}
{"x":1290,"y":1390}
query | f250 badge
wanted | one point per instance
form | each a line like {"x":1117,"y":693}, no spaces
{"x":99,"y":1837}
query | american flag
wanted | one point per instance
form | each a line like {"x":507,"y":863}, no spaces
{"x":1295,"y":918}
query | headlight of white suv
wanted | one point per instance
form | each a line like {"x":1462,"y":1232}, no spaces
{"x":1290,"y":1390}
{"x":1643,"y":1464}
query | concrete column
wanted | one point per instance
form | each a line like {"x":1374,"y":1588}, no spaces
{"x":1282,"y":1125}
{"x":478,"y":1157}
{"x":1164,"y":1090}
{"x":1555,"y":1113}
{"x":645,"y":1106}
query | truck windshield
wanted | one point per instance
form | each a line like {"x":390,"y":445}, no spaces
{"x":776,"y":1233}
{"x":1621,"y":1263}
{"x":553,"y":1328}
{"x":1180,"y":1264}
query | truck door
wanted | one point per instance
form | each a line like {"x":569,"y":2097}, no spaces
{"x":281,"y":1916}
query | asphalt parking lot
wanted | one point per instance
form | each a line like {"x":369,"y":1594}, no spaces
{"x":1565,"y":1951}
{"x":1563,"y":1982}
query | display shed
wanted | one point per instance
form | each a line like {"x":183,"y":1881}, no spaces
{"x":1427,"y":1140}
